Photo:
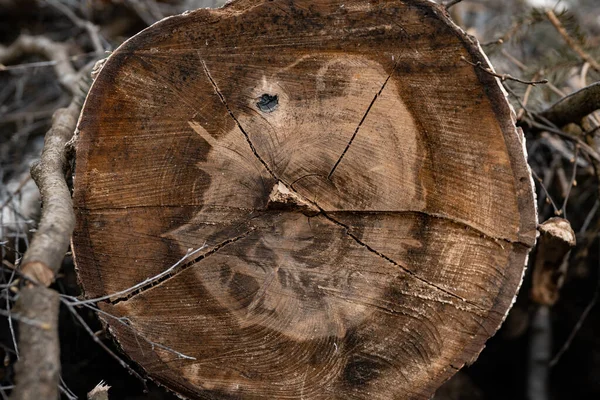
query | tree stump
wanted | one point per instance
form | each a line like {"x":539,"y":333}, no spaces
{"x":362,"y":194}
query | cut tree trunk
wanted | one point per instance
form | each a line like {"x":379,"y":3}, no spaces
{"x":362,"y":194}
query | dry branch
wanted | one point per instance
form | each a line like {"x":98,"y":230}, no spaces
{"x":93,"y":30}
{"x":572,"y":43}
{"x":51,"y":241}
{"x":38,"y":369}
{"x":58,"y":52}
{"x":502,"y":77}
{"x":574,"y":107}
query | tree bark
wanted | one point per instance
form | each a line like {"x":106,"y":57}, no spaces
{"x":38,"y":368}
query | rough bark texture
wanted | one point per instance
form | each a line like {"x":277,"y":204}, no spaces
{"x":44,"y":256}
{"x":362,"y":192}
{"x":574,"y":107}
{"x":38,"y":368}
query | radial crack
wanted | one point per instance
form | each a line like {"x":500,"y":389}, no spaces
{"x":390,"y":260}
{"x":162,"y":278}
{"x":222,"y":98}
{"x":361,"y":122}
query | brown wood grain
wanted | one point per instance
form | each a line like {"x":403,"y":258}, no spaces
{"x":362,"y":193}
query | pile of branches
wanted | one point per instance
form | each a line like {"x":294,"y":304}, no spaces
{"x":547,"y":61}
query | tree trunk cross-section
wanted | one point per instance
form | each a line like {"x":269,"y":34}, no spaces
{"x":362,"y":193}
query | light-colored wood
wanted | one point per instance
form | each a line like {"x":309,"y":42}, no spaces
{"x":362,"y":193}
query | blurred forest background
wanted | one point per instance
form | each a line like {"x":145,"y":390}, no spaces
{"x":522,"y":39}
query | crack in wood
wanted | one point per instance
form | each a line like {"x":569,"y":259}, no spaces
{"x":447,"y":218}
{"x":361,"y":122}
{"x":150,"y":206}
{"x":222,"y":98}
{"x":184,"y":267}
{"x":321,"y":211}
{"x":403,"y":268}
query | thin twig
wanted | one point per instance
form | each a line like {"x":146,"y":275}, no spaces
{"x":127,"y":323}
{"x":570,"y":41}
{"x":100,"y":343}
{"x":572,"y":183}
{"x":451,"y":3}
{"x":582,"y":145}
{"x":93,"y":30}
{"x":9,"y":311}
{"x":580,"y":322}
{"x":38,"y":369}
{"x":59,"y":52}
{"x":536,"y":176}
{"x":502,"y":77}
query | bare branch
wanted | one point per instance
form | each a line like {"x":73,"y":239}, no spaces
{"x":570,"y":41}
{"x":572,"y":183}
{"x":100,"y":343}
{"x":574,"y":107}
{"x":502,"y":77}
{"x":93,"y":30}
{"x":451,"y":3}
{"x":58,"y":52}
{"x":146,"y":282}
{"x":582,"y":145}
{"x":548,"y":197}
{"x":38,"y":369}
{"x":49,"y":245}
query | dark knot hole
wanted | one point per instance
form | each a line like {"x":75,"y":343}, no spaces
{"x":268,"y":103}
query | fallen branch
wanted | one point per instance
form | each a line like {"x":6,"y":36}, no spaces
{"x":548,"y":126}
{"x":93,"y":30}
{"x":586,"y":148}
{"x":51,"y":241}
{"x":574,"y":107}
{"x":38,"y":368}
{"x":58,"y":52}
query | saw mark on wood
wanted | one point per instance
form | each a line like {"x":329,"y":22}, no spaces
{"x":361,"y":122}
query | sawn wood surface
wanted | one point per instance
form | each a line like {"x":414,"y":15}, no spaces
{"x":362,"y":193}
